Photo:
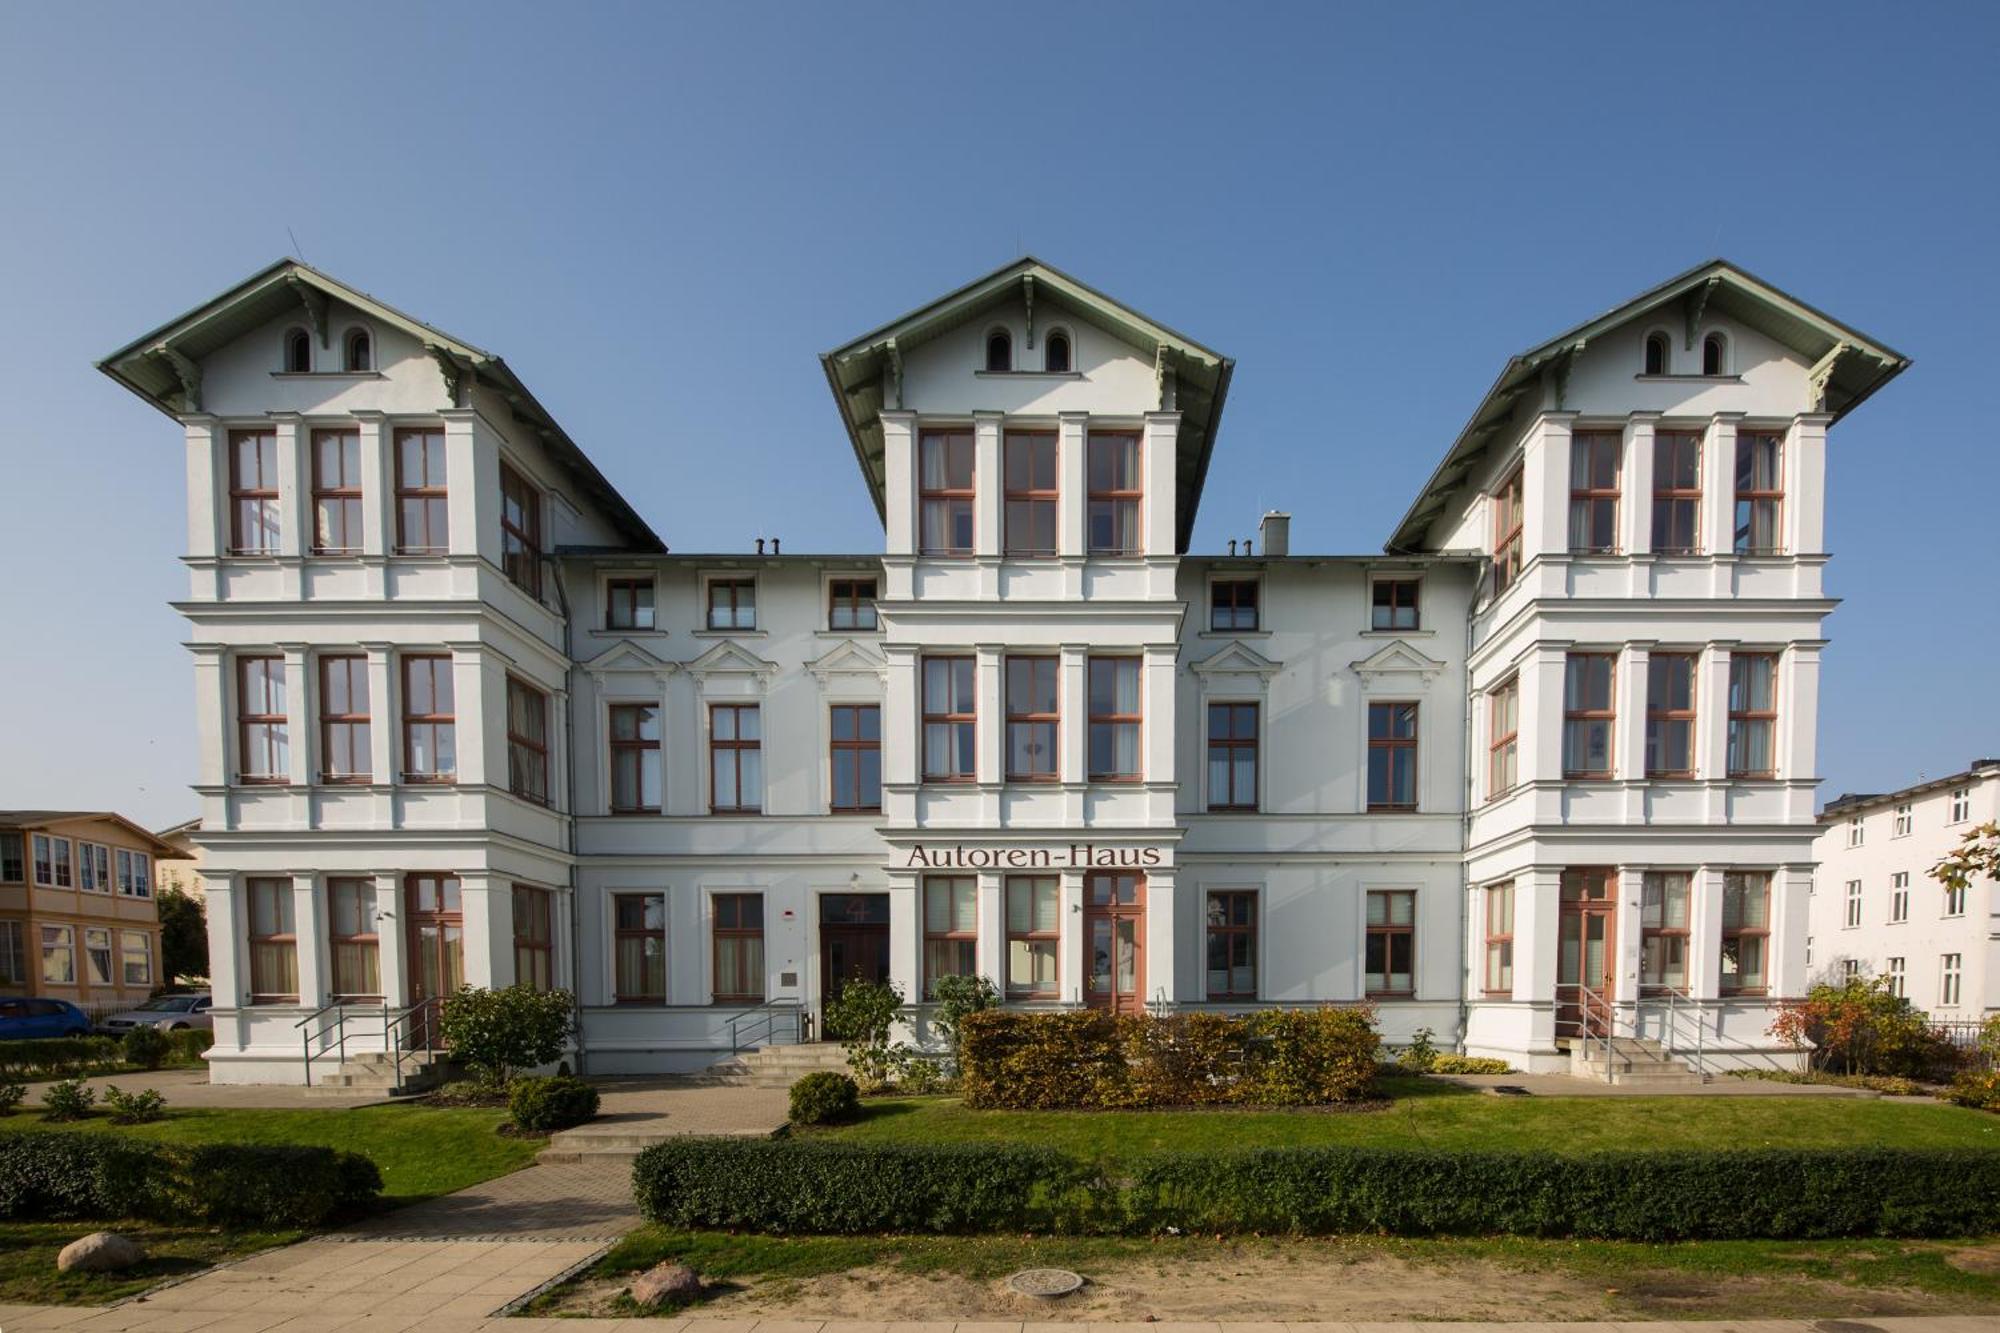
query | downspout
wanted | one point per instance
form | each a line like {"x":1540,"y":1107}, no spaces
{"x":569,"y":809}
{"x":1465,"y":978}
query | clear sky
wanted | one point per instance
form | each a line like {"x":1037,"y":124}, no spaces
{"x":661,"y":214}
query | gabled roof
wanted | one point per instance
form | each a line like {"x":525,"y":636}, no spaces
{"x":28,"y":820}
{"x":865,"y":374}
{"x":163,"y":367}
{"x":1848,"y":366}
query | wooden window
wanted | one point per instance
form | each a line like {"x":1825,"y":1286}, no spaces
{"x":732,"y":604}
{"x":521,"y":532}
{"x":357,"y":351}
{"x":1677,"y":492}
{"x":336,"y":492}
{"x":1503,"y":741}
{"x":1899,"y":897}
{"x":1392,"y":942}
{"x":298,"y":353}
{"x":1663,"y":930}
{"x":639,"y":948}
{"x":1232,"y":945}
{"x":534,"y":938}
{"x":253,"y":492}
{"x":1055,"y":354}
{"x":635,"y":759}
{"x":628,"y":604}
{"x":945,"y":481}
{"x":97,"y":955}
{"x":856,"y":758}
{"x":951,"y":929}
{"x":430,"y":739}
{"x":52,"y":862}
{"x":1232,"y":605}
{"x":950,"y":720}
{"x":1589,"y":714}
{"x":527,"y":741}
{"x":1032,"y":719}
{"x":58,"y":956}
{"x":735,"y":759}
{"x":1594,"y":469}
{"x":355,"y":930}
{"x":1950,"y":973}
{"x":1232,"y":756}
{"x":1760,"y":492}
{"x":1034,"y":919}
{"x":13,"y":859}
{"x":1670,"y":717}
{"x":1393,"y":604}
{"x":135,"y":955}
{"x":1507,"y":525}
{"x":739,"y":948}
{"x":135,"y":872}
{"x":1714,"y":355}
{"x":423,"y":520}
{"x":262,"y":733}
{"x":343,"y":719}
{"x":1392,"y":756}
{"x":1500,"y":939}
{"x":850,"y":604}
{"x":1753,"y":715}
{"x":1031,"y":493}
{"x":1853,"y":904}
{"x":1112,"y":511}
{"x":1116,"y":712}
{"x":274,"y":942}
{"x":13,"y":954}
{"x":999,"y":351}
{"x":1656,"y":354}
{"x":1746,"y":929}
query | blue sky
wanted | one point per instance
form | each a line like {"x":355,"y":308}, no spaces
{"x":661,"y":214}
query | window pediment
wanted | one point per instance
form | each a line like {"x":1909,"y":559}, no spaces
{"x":849,"y":659}
{"x":730,"y":658}
{"x":628,"y":658}
{"x":1396,"y":664}
{"x":1236,"y":659}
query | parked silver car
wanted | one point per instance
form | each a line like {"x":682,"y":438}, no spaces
{"x":169,"y":1013}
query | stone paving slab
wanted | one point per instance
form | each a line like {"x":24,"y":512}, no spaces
{"x":189,"y":1089}
{"x":584,"y":1201}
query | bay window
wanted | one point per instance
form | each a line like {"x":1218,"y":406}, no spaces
{"x":1588,"y":714}
{"x":1753,"y":715}
{"x":1594,"y":469}
{"x":1746,"y":929}
{"x":274,"y":941}
{"x":1030,"y":495}
{"x":423,"y":516}
{"x":949,"y":720}
{"x":262,"y":731}
{"x":1670,"y":719}
{"x":1112,"y":510}
{"x":1032,"y":719}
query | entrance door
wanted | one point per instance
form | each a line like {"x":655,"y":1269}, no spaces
{"x":437,"y":946}
{"x":1114,"y":941}
{"x":1586,"y":952}
{"x":853,"y":943}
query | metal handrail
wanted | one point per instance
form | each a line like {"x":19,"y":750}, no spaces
{"x":1588,"y":1006}
{"x":764,"y":1017}
{"x":1675,"y":997}
{"x":418,"y":1018}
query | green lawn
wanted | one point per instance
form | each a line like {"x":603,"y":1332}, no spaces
{"x":1432,"y":1114}
{"x":28,"y":1252}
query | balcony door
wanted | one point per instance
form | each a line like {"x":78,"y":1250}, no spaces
{"x":1114,"y":941}
{"x":1586,"y":951}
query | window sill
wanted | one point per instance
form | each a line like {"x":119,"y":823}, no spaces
{"x":1233,"y":634}
{"x":1643,"y":378}
{"x":730,"y":633}
{"x":1399,"y":634}
{"x":874,"y":631}
{"x":1028,"y":374}
{"x":614,"y":632}
{"x":328,"y":375}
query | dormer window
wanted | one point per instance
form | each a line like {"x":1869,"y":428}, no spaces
{"x":298,"y":352}
{"x":1055,"y":354}
{"x":357,"y":351}
{"x":1656,"y":354}
{"x":999,"y":350}
{"x":1713,"y":348}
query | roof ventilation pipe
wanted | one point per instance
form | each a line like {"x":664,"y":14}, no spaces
{"x":760,"y":546}
{"x":1232,"y":546}
{"x":774,"y":547}
{"x":1276,"y":532}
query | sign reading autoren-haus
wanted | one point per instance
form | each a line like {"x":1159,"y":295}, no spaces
{"x":1072,"y":856}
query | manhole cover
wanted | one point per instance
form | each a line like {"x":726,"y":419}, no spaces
{"x":1844,"y":1326}
{"x":1045,"y":1283}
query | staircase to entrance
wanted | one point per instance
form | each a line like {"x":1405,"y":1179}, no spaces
{"x":1631,"y":1061}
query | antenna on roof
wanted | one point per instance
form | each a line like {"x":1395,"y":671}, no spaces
{"x":297,"y":253}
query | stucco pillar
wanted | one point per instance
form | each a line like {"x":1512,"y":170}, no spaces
{"x":1791,"y":889}
{"x":1073,"y":701}
{"x":1629,"y":737}
{"x":1711,"y":712}
{"x":471,"y":474}
{"x":207,"y":503}
{"x":990,"y":953}
{"x":228,"y":947}
{"x":990,"y":712}
{"x":214,"y":731}
{"x":1635,"y":498}
{"x":294,"y":486}
{"x":1545,"y":486}
{"x":900,"y":739}
{"x":899,"y":483}
{"x":392,"y":941}
{"x":988,"y":483}
{"x":299,"y":713}
{"x":1718,"y":485}
{"x":1072,"y":484}
{"x":1158,"y":478}
{"x":1805,"y":485}
{"x":477,"y":715}
{"x":1627,"y":925}
{"x":488,"y":907}
{"x":1156,"y":729}
{"x":1539,"y":747}
{"x":906,"y":935}
{"x":378,"y":496}
{"x":1070,"y":946}
{"x":1798,"y":711}
{"x":309,"y":923}
{"x":1162,"y":911}
{"x":1537,"y":904}
{"x":1705,"y":932}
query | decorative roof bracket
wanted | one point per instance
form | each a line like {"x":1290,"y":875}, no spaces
{"x":895,"y":375}
{"x":1563,"y":366}
{"x":314,"y":301}
{"x":187,"y":372}
{"x":1028,"y":292}
{"x":454,"y":372}
{"x":1159,"y":377}
{"x":1697,"y":301}
{"x":1822,"y":374}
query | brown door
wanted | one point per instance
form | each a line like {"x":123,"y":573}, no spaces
{"x":1114,"y":941}
{"x":1586,"y":952}
{"x":853,"y":943}
{"x":437,"y":936}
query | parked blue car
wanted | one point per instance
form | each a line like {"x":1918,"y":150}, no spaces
{"x":41,"y":1018}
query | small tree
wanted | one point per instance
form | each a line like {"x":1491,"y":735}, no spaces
{"x":1863,"y":1027}
{"x":498,"y":1032}
{"x":957,"y":999}
{"x":183,"y":935}
{"x":861,"y":1016}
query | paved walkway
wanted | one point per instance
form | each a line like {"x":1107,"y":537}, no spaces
{"x":1562,"y":1085}
{"x":189,"y":1089}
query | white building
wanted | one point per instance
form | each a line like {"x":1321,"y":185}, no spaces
{"x":1546,"y":761}
{"x":1876,"y":911}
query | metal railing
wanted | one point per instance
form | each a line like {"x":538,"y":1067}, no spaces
{"x":406,"y":1034}
{"x":776,"y":1022}
{"x":1676,"y":1001}
{"x":1594,"y":1010}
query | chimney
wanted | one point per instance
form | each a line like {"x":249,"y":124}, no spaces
{"x":1276,"y":533}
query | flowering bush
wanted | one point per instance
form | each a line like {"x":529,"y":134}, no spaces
{"x":1976,"y":1088}
{"x":1863,"y":1027}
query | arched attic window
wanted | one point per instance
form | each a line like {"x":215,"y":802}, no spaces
{"x":999,"y":350}
{"x":1714,"y":354}
{"x":358,"y":353}
{"x":1055,"y":352}
{"x":1656,"y":354}
{"x":298,"y":352}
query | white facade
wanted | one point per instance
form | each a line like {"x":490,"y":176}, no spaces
{"x":1033,"y":737}
{"x":1876,"y":911}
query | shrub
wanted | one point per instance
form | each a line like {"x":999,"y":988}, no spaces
{"x":822,"y":1185}
{"x":134,"y":1108}
{"x":71,"y":1099}
{"x":187,"y":1046}
{"x":55,"y":1057}
{"x":1469,"y":1064}
{"x":11,"y":1096}
{"x":824,"y":1098}
{"x":861,"y":1016}
{"x":274,"y":1185}
{"x":1978,"y":1088}
{"x":1421,"y":1055}
{"x":957,"y":999}
{"x":58,"y":1174}
{"x":1890,"y":1084}
{"x":918,"y":1074}
{"x":499,"y":1031}
{"x":541,"y":1105}
{"x":1863,"y":1027}
{"x":145,"y":1046}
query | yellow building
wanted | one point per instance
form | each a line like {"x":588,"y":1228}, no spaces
{"x":183,"y":874}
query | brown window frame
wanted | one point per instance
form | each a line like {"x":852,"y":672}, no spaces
{"x":625,"y":592}
{"x":949,"y":497}
{"x":1394,"y":746}
{"x":1661,"y":716}
{"x":855,"y":746}
{"x":951,"y":935}
{"x":1115,"y":721}
{"x":953,"y":720}
{"x":362,"y":939}
{"x":261,"y":491}
{"x":434,"y":499}
{"x":736,"y":745}
{"x":1509,"y":523}
{"x":1664,"y":931}
{"x":13,"y":857}
{"x":737,"y":937}
{"x":845,"y":594}
{"x":1228,"y":929}
{"x":1507,"y":743}
{"x":1658,"y":360}
{"x":527,"y":754}
{"x":1231,"y":607}
{"x":277,"y":725}
{"x":1748,"y":717}
{"x":535,"y":947}
{"x":1587,"y":493}
{"x":1405,"y":594}
{"x":1115,"y":496}
{"x":1029,"y":667}
{"x":1032,"y":936}
{"x":521,"y":539}
{"x":1741,"y":932}
{"x":639,"y":745}
{"x":440,"y":723}
{"x":1499,"y":951}
{"x":357,"y":726}
{"x":1608,"y":715}
{"x":282,"y":887}
{"x":737,"y":603}
{"x":1036,"y":497}
{"x":1231,"y":745}
{"x":1669,"y":498}
{"x":1741,"y":537}
{"x":342,"y":492}
{"x":1387,"y":930}
{"x":620,"y":932}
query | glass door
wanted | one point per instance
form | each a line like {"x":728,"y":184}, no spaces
{"x":437,"y":947}
{"x":1586,"y":956}
{"x":1114,"y":941}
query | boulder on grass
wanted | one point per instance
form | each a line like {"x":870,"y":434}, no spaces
{"x":100,"y":1252}
{"x":666,"y":1282}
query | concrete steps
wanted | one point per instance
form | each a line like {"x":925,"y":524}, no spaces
{"x":1631,"y":1062}
{"x":373,"y":1073}
{"x":774,"y":1066}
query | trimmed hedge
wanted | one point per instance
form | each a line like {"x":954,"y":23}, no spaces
{"x":541,"y":1105}
{"x":818,"y":1186}
{"x":824,"y":1097}
{"x":1091,"y":1059}
{"x":55,"y":1174}
{"x":56,"y":1057}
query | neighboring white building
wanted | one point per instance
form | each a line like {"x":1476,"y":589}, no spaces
{"x":1876,"y":911}
{"x":464,"y":719}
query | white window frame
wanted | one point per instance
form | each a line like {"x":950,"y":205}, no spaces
{"x":1961,"y":805}
{"x":1855,"y":831}
{"x":1904,"y":821}
{"x":1951,"y":979}
{"x":1851,"y":908}
{"x":1954,"y":901}
{"x":1899,"y":897}
{"x":1898,"y":977}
